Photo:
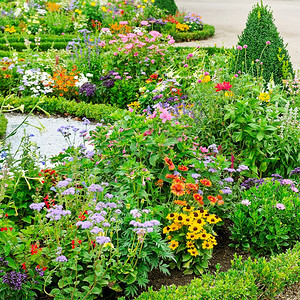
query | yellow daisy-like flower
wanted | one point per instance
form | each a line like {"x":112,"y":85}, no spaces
{"x":188,"y":220}
{"x":193,"y":252}
{"x":175,"y":226}
{"x":200,"y":222}
{"x":166,"y":229}
{"x":204,"y":235}
{"x":179,"y":218}
{"x":93,"y":3}
{"x":213,"y":219}
{"x":173,"y":244}
{"x":171,"y":216}
{"x":228,"y":94}
{"x":104,"y":9}
{"x":191,"y":236}
{"x":196,"y":214}
{"x":195,"y":228}
{"x":189,"y":244}
{"x":169,"y":237}
{"x":188,"y":208}
{"x":207,"y":245}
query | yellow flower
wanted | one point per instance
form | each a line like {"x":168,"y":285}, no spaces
{"x":195,"y":227}
{"x":104,"y":9}
{"x":188,"y":221}
{"x":169,"y":237}
{"x":205,"y":78}
{"x":166,"y":229}
{"x":228,"y":94}
{"x":173,"y":245}
{"x":171,"y":216}
{"x":180,"y":218}
{"x":213,"y":219}
{"x":188,"y":208}
{"x":193,"y":251}
{"x":191,"y":236}
{"x":189,"y":244}
{"x":93,"y":4}
{"x":264,"y":97}
{"x":207,"y":245}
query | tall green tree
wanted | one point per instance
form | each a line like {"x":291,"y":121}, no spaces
{"x":262,"y":51}
{"x":168,"y":5}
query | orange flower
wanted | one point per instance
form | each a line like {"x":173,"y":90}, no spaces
{"x":177,"y":189}
{"x":159,"y":182}
{"x":219,"y":197}
{"x":205,"y":182}
{"x":171,"y":176}
{"x":183,"y":168}
{"x":179,"y":202}
{"x":212,"y":199}
{"x":198,"y":198}
{"x":220,"y":202}
{"x":169,"y":163}
{"x":192,"y":187}
{"x":6,"y":76}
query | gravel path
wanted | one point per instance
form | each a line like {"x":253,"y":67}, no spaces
{"x":49,"y":140}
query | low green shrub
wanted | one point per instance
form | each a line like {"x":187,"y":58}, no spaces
{"x":97,"y":112}
{"x":169,"y":5}
{"x":258,"y":279}
{"x":268,"y":219}
{"x":44,"y":46}
{"x":3,"y":125}
{"x":208,"y":31}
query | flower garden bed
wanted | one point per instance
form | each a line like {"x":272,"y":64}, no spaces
{"x":194,"y":161}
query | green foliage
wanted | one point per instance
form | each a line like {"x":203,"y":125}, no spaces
{"x":3,"y":125}
{"x":208,"y":31}
{"x":98,"y":112}
{"x":169,"y":5}
{"x":270,"y":221}
{"x":245,"y":280}
{"x":260,"y":29}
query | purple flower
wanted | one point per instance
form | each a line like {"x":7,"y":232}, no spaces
{"x":296,"y":171}
{"x":84,"y":224}
{"x":95,"y":188}
{"x":88,"y":90}
{"x":105,"y":224}
{"x":109,"y":196}
{"x":229,"y":179}
{"x":226,"y":190}
{"x":37,"y":206}
{"x":195,"y":175}
{"x":229,"y":170}
{"x":277,"y":176}
{"x":96,"y":230}
{"x":64,"y":183}
{"x":56,"y":213}
{"x":242,"y":168}
{"x":61,"y":258}
{"x":294,"y":189}
{"x":15,"y":279}
{"x":212,"y":170}
{"x":280,"y":206}
{"x":246,"y":202}
{"x":111,"y":205}
{"x":69,"y":191}
{"x":287,"y":181}
{"x":102,"y":240}
{"x":135,"y":213}
{"x":97,"y":217}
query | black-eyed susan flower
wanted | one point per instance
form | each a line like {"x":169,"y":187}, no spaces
{"x":166,"y":229}
{"x":195,"y":227}
{"x":189,"y":244}
{"x":173,"y":244}
{"x":188,"y":208}
{"x":207,"y":245}
{"x":211,"y":219}
{"x":193,"y":252}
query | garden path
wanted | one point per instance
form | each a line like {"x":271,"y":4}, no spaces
{"x":229,"y":18}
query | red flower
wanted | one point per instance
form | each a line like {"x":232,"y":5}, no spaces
{"x":205,"y":182}
{"x":212,"y":199}
{"x":169,"y":163}
{"x":24,"y":266}
{"x":225,"y":86}
{"x":34,"y":249}
{"x":198,"y":198}
{"x":154,"y":76}
{"x":171,"y":176}
{"x":183,"y":168}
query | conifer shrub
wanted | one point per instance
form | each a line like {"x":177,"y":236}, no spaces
{"x":261,"y":51}
{"x":168,"y":5}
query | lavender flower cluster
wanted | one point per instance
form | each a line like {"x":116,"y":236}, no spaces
{"x":156,"y":21}
{"x":88,"y":89}
{"x":57,"y":212}
{"x":110,"y":78}
{"x":192,"y":18}
{"x":15,"y":279}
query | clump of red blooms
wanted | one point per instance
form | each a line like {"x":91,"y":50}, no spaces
{"x":82,"y":216}
{"x":49,"y":202}
{"x":35,"y":249}
{"x":73,"y":243}
{"x":225,"y":86}
{"x":6,"y":228}
{"x":49,"y":176}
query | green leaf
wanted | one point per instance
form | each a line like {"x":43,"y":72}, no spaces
{"x":153,"y":159}
{"x":170,"y":142}
{"x":27,"y":219}
{"x":260,"y":136}
{"x":11,"y":263}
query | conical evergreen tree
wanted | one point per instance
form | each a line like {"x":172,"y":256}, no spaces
{"x":260,"y":30}
{"x":168,"y":5}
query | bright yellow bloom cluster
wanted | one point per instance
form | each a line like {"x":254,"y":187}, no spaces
{"x":182,"y":27}
{"x":78,"y":11}
{"x":135,"y":104}
{"x":52,"y":6}
{"x":205,"y":78}
{"x":10,"y":29}
{"x":264,"y":97}
{"x":193,"y":223}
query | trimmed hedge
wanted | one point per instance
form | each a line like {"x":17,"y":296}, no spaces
{"x":43,"y":46}
{"x":44,"y":38}
{"x":98,"y":112}
{"x":3,"y":125}
{"x":257,"y":279}
{"x":208,"y":31}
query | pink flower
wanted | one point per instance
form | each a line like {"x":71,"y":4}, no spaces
{"x":105,"y":29}
{"x":130,"y":109}
{"x":170,"y":42}
{"x":203,"y":149}
{"x":139,"y":33}
{"x":165,"y":115}
{"x":123,"y":23}
{"x":152,"y":116}
{"x":148,"y":132}
{"x":185,"y":65}
{"x":245,"y":46}
{"x":144,"y":23}
{"x":268,"y":42}
{"x":115,"y":53}
{"x":102,"y":44}
{"x":135,"y":54}
{"x":239,"y":47}
{"x":155,"y":33}
{"x":152,"y":61}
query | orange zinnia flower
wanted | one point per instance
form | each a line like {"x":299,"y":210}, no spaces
{"x":212,"y":199}
{"x":159,"y":182}
{"x":177,"y":189}
{"x":198,"y":198}
{"x":183,"y":168}
{"x":169,"y":163}
{"x":179,"y":202}
{"x":219,"y":197}
{"x":171,"y":176}
{"x":205,"y":182}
